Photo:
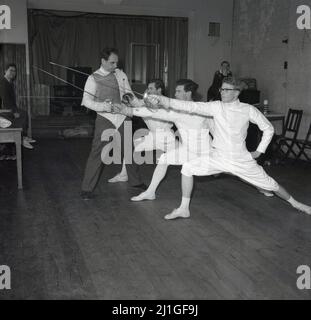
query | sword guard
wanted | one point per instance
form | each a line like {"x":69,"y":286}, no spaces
{"x":148,"y":104}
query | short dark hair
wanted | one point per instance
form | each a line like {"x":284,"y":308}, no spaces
{"x":236,"y":83}
{"x":9,"y":65}
{"x":227,"y":62}
{"x":188,"y":85}
{"x":106,"y":52}
{"x":159,"y":84}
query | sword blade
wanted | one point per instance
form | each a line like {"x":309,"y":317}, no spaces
{"x":71,"y":84}
{"x":71,"y":69}
{"x":86,"y":74}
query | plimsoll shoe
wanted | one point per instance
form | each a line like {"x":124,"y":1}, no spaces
{"x":266,"y":193}
{"x":178,"y":213}
{"x":30,"y":140}
{"x":303,"y":208}
{"x":26,"y":144}
{"x":118,"y":178}
{"x":143,"y":196}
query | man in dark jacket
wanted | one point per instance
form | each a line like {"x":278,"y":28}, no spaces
{"x":213,"y":93}
{"x":11,"y":112}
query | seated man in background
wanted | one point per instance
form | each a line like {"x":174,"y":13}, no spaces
{"x":18,"y":117}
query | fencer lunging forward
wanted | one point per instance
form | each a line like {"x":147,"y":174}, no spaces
{"x":160,"y":136}
{"x":193,"y":131}
{"x":229,"y":153}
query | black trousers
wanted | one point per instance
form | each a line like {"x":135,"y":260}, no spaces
{"x":94,"y":163}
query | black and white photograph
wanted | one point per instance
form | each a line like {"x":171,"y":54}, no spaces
{"x":155,"y":151}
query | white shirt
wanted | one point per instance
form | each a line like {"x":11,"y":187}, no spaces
{"x":231,"y":122}
{"x":154,"y":124}
{"x":193,"y":129}
{"x":90,"y":102}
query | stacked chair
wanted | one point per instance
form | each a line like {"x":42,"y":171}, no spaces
{"x":304,"y":145}
{"x":287,"y":145}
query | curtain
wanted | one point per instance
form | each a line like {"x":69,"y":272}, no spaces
{"x":76,"y":39}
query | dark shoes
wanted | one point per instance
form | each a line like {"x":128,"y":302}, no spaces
{"x":141,"y":186}
{"x":86,"y":195}
{"x":4,"y":157}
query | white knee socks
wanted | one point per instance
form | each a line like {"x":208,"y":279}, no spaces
{"x":123,"y":171}
{"x":185,"y":202}
{"x":299,"y":206}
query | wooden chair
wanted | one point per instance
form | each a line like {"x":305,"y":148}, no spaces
{"x":288,"y":139}
{"x":303,"y":145}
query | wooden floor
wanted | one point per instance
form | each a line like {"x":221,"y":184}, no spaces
{"x":238,"y":244}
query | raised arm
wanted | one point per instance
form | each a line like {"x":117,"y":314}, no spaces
{"x":159,"y":114}
{"x":89,"y":97}
{"x":264,"y":125}
{"x":140,"y":111}
{"x":199,"y":108}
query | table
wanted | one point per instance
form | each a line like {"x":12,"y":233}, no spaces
{"x":14,"y":135}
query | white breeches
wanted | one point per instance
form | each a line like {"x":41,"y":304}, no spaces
{"x":182,"y":154}
{"x":242,"y":166}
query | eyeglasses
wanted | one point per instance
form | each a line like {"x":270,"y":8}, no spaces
{"x":227,"y":90}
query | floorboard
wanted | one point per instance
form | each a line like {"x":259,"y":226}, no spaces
{"x":238,"y":244}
